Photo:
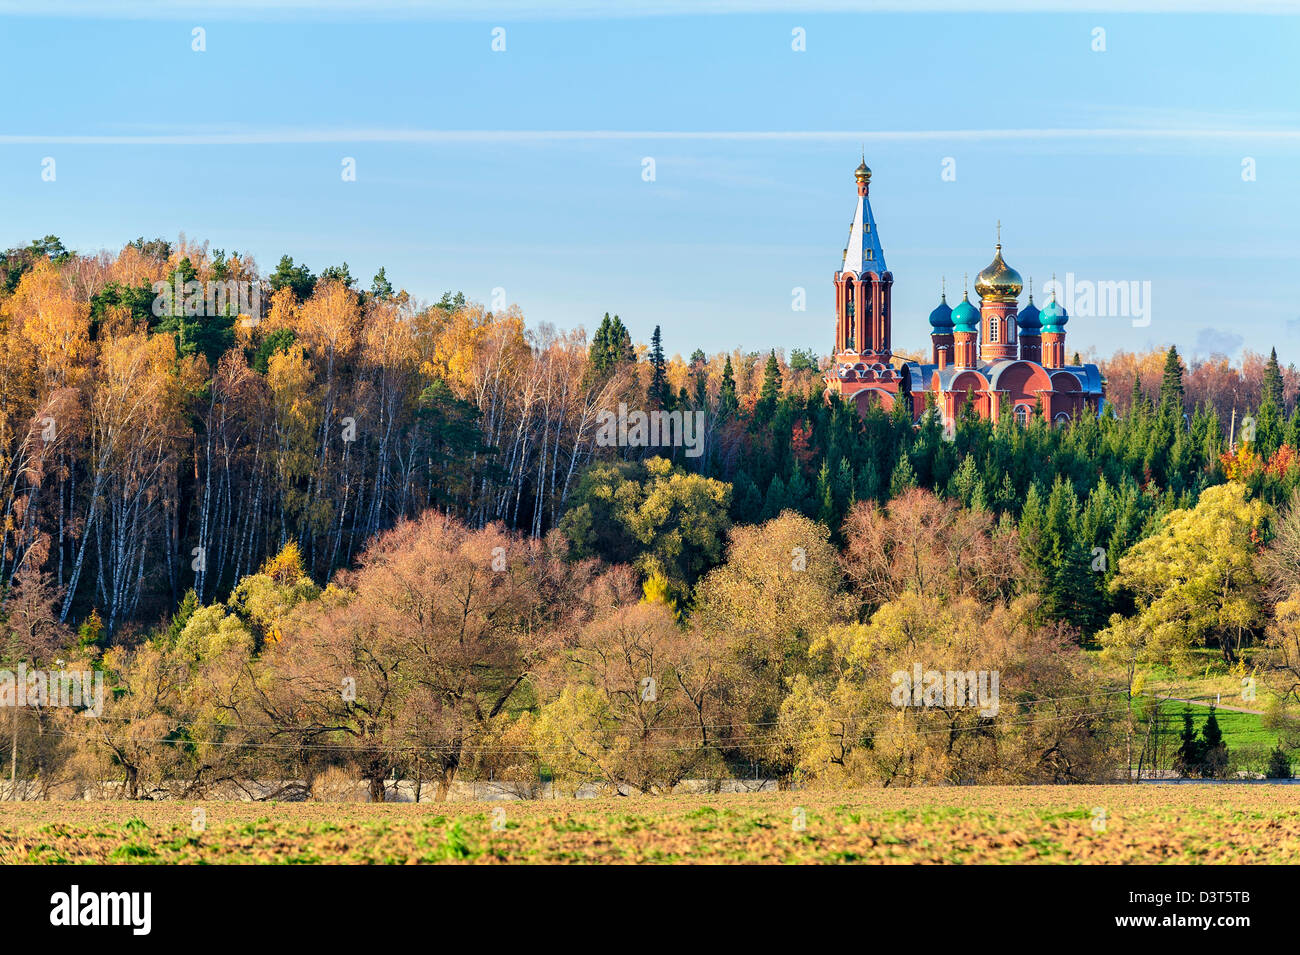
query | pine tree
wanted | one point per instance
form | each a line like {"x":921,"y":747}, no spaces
{"x":1033,"y":540}
{"x":746,"y":501}
{"x":771,"y":390}
{"x":381,"y":288}
{"x":296,"y":277}
{"x":825,"y":496}
{"x":1082,"y":590}
{"x":1136,"y":401}
{"x":1067,"y":570}
{"x":1270,"y":429}
{"x":700,"y":373}
{"x":1279,"y":764}
{"x":1171,"y":386}
{"x":866,"y":485}
{"x":599,"y":354}
{"x":338,"y":273}
{"x":727,"y":400}
{"x":209,"y":335}
{"x":611,"y":346}
{"x":842,"y":489}
{"x":1292,"y":433}
{"x":1273,"y":390}
{"x":91,"y":630}
{"x":776,"y":500}
{"x":659,"y":394}
{"x":1214,"y":751}
{"x":598,"y":339}
{"x":1006,"y":497}
{"x":903,"y":477}
{"x":966,"y":481}
{"x":621,"y":342}
{"x":800,"y":495}
{"x":902,"y":413}
{"x":189,"y":604}
{"x":1187,"y":761}
{"x":969,"y":413}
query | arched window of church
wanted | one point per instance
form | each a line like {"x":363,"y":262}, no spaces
{"x":1022,"y":415}
{"x":871,"y":254}
{"x":993,"y":329}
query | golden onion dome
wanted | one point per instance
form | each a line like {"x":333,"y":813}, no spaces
{"x":862,"y":173}
{"x":999,"y":280}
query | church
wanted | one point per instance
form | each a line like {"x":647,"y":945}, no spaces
{"x":1002,"y":356}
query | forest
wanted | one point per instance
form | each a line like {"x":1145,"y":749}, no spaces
{"x":307,"y":527}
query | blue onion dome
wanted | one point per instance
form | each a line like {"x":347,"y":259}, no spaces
{"x":1054,"y":316}
{"x":1028,"y":317}
{"x":941,"y":317}
{"x":966,"y":317}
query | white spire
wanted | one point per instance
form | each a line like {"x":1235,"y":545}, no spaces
{"x":864,"y":253}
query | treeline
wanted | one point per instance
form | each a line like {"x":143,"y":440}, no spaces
{"x":153,"y":444}
{"x":450,"y":653}
{"x":147,"y":451}
{"x":181,"y":481}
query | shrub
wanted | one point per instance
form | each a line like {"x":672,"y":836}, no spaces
{"x":1279,"y":764}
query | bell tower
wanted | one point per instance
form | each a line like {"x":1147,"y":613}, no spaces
{"x":864,"y":315}
{"x":999,"y":288}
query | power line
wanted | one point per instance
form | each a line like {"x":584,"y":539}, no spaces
{"x":494,"y":749}
{"x":278,"y":727}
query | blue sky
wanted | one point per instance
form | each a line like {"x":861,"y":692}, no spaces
{"x":522,"y":169}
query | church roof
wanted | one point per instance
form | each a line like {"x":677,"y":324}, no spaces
{"x":919,"y":374}
{"x":966,"y":317}
{"x":1027,"y":318}
{"x":941,"y":317}
{"x":1054,"y":316}
{"x":1089,"y":376}
{"x":864,"y":253}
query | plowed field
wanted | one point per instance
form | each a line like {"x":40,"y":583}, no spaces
{"x":1077,"y":824}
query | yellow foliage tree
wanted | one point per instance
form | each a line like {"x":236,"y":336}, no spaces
{"x":54,"y":323}
{"x":1197,"y":580}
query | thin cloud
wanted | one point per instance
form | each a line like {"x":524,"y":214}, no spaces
{"x":599,"y":9}
{"x":1215,"y":341}
{"x":398,"y":136}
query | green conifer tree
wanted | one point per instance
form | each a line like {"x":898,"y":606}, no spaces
{"x":659,"y":394}
{"x":771,"y":390}
{"x":1187,"y":759}
{"x":776,"y":500}
{"x":1214,"y":751}
{"x":727,"y":400}
{"x":903,"y":477}
{"x":1171,"y":386}
{"x":1273,"y":390}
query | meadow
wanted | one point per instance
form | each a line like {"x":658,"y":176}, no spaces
{"x":1188,"y":823}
